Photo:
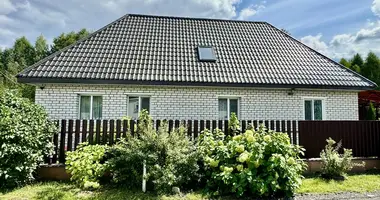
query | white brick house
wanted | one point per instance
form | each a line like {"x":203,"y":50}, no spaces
{"x":186,"y":68}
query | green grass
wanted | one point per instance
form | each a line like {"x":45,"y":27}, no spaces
{"x":354,"y":183}
{"x":66,"y":191}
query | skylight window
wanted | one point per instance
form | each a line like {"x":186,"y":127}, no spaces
{"x":206,"y":53}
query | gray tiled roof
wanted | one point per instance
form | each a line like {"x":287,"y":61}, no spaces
{"x":163,"y":50}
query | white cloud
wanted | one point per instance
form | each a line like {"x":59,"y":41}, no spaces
{"x":346,"y":45}
{"x":376,"y":7}
{"x":251,"y":10}
{"x":316,"y":43}
{"x":52,"y":17}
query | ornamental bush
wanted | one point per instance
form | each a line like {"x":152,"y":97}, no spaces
{"x":86,"y":165}
{"x":171,"y":159}
{"x":258,"y":163}
{"x":335,"y":165}
{"x":25,"y":137}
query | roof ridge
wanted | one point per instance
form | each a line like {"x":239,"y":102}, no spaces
{"x":195,"y":18}
{"x":69,"y":46}
{"x":326,"y":57}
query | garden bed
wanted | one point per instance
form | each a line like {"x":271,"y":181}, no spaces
{"x":356,"y":186}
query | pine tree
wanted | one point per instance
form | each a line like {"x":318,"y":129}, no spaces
{"x":357,"y":60}
{"x":371,"y":113}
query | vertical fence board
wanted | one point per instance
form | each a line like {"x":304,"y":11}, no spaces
{"x":283,"y":126}
{"x":158,"y":124}
{"x":189,"y":129}
{"x":132,"y":124}
{"x":202,"y":125}
{"x":118,"y":129}
{"x":77,"y":133}
{"x":91,"y":132}
{"x":104,"y":131}
{"x":70,"y":136}
{"x":213,"y":125}
{"x":288,"y":131}
{"x":272,"y":125}
{"x":226,"y":131}
{"x":243,"y":126}
{"x":111,"y":132}
{"x":208,"y":126}
{"x":125,"y":128}
{"x":176,"y":124}
{"x":195,"y":129}
{"x":97,"y":133}
{"x":62,"y":142}
{"x":170,"y":126}
{"x":84,"y":131}
{"x":220,"y":124}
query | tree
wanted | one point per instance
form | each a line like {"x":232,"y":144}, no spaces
{"x":41,"y":48}
{"x":357,"y":60}
{"x":64,"y":40}
{"x":345,"y":63}
{"x":371,"y":68}
{"x":23,"y":53}
{"x":371,"y":112}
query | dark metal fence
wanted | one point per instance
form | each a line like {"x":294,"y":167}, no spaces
{"x":360,"y":136}
{"x":73,"y":132}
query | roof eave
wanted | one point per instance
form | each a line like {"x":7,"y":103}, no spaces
{"x":136,"y":82}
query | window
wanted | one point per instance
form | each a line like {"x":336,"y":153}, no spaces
{"x":90,"y":107}
{"x":228,"y":106}
{"x":206,"y":53}
{"x":136,"y":104}
{"x":314,"y":109}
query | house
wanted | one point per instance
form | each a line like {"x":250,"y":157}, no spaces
{"x":190,"y":68}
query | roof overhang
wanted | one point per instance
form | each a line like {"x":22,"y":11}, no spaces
{"x":177,"y":83}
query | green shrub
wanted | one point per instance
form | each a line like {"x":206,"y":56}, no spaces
{"x":257,"y":163}
{"x":25,"y":135}
{"x":171,"y":159}
{"x":371,"y":112}
{"x":336,"y":165}
{"x":86,"y":165}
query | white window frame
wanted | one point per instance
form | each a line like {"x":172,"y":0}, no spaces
{"x":312,"y":99}
{"x":228,"y":105}
{"x":91,"y":101}
{"x":140,"y":100}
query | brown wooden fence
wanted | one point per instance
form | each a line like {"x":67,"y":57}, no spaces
{"x":73,"y":132}
{"x":363,"y":137}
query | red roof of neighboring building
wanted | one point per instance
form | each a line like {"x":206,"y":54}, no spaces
{"x":369,"y":96}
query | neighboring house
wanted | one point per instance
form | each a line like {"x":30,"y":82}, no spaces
{"x":188,"y":68}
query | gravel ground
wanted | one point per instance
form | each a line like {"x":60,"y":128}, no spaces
{"x":345,"y":195}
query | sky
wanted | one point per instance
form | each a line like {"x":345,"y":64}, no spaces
{"x":336,"y":28}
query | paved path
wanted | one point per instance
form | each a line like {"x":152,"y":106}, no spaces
{"x":345,"y":195}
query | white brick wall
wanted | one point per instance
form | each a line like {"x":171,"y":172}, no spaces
{"x":170,"y":102}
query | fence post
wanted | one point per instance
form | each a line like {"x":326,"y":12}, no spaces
{"x":62,"y":156}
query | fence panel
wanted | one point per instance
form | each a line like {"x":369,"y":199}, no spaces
{"x":360,"y":136}
{"x":72,"y":132}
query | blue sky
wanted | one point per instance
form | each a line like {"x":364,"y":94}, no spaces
{"x":336,"y":28}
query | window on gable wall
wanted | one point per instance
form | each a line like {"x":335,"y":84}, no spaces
{"x":90,"y":107}
{"x":227,"y":106}
{"x":313,"y":109}
{"x":137,"y":104}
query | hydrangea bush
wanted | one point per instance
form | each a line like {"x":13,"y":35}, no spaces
{"x":258,"y":163}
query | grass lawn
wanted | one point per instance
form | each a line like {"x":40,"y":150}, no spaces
{"x":354,"y":183}
{"x":66,"y":191}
